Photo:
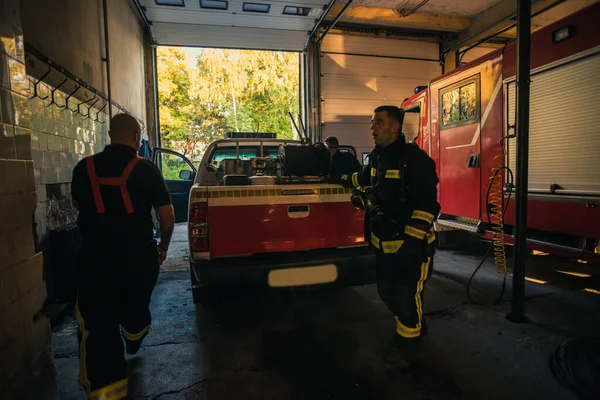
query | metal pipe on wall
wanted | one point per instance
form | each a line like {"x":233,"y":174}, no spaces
{"x":155,"y":93}
{"x":523,"y":86}
{"x":107,"y":58}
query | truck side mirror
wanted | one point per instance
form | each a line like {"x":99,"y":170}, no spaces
{"x":185,"y":174}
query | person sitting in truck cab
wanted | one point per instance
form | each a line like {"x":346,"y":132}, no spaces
{"x":341,"y":162}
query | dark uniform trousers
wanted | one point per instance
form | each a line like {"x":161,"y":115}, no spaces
{"x":116,"y":276}
{"x":115,"y":286}
{"x":400,"y":282}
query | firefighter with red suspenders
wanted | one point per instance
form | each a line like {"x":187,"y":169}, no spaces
{"x":118,"y":264}
{"x":398,"y":191}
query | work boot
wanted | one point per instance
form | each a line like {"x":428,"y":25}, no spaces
{"x":396,"y":359}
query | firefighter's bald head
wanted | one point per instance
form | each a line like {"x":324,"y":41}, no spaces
{"x":125,"y":129}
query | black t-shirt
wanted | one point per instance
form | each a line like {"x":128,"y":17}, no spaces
{"x":344,"y":163}
{"x":146,"y":188}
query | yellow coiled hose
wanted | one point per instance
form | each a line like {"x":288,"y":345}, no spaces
{"x":496,"y":208}
{"x":496,"y":213}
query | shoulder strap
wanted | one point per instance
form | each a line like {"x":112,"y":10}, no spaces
{"x":94,"y":182}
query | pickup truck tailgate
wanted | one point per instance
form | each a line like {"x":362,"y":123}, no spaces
{"x":245,"y":220}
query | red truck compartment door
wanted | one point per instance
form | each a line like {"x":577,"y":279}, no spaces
{"x":254,"y":220}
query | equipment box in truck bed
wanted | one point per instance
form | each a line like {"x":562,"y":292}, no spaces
{"x":249,"y":224}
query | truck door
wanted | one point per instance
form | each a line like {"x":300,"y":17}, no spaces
{"x":179,"y":175}
{"x":460,"y":148}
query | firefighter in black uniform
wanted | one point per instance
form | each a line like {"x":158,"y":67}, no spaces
{"x":118,"y":264}
{"x":398,"y":191}
{"x":341,"y":162}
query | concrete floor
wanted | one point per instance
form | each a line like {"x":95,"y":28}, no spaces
{"x":328,"y":344}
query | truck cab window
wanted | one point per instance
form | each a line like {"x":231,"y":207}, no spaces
{"x":411,"y":123}
{"x":175,"y":168}
{"x":460,"y":103}
{"x":245,"y":153}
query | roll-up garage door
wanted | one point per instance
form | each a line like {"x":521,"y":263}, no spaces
{"x":564,"y":128}
{"x":361,"y":73}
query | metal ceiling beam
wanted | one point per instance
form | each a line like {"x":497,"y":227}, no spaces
{"x":500,"y":17}
{"x":385,"y":17}
{"x":335,"y":20}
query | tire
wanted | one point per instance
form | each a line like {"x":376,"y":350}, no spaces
{"x":201,"y":295}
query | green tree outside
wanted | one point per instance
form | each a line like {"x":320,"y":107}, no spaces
{"x":224,"y":90}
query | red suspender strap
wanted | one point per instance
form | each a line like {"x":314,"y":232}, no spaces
{"x":91,"y":170}
{"x":123,"y":184}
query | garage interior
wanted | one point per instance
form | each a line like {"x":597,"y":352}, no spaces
{"x":67,"y":66}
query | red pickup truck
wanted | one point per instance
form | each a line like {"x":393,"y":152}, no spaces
{"x":252,"y":223}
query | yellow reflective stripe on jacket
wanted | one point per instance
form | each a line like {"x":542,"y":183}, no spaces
{"x":391,"y":246}
{"x":392,"y":174}
{"x":374,"y":240}
{"x":114,"y":391}
{"x":355,"y":179}
{"x":345,"y":177}
{"x":422,"y":215}
{"x":135,"y":336}
{"x":431,"y":235}
{"x":414,"y":232}
{"x":373,"y":171}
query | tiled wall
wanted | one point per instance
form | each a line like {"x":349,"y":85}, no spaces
{"x":26,"y":365}
{"x":59,"y":139}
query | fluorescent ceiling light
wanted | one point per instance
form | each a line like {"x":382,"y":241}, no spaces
{"x":178,"y":3}
{"x":256,"y":7}
{"x":291,"y":10}
{"x":214,"y":4}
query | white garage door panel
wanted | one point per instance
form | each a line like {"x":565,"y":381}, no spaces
{"x":352,"y":111}
{"x":353,"y":86}
{"x":228,"y":37}
{"x":341,"y":87}
{"x":339,"y":64}
{"x":380,"y":47}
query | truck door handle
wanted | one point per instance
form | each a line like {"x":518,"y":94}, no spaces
{"x":474,"y":161}
{"x":298,"y":211}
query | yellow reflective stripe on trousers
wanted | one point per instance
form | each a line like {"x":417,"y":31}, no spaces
{"x":373,"y":171}
{"x":407,"y":332}
{"x":392,"y":246}
{"x":114,"y":391}
{"x":83,"y":375}
{"x":392,"y":174}
{"x":414,"y":232}
{"x":374,"y":240}
{"x":404,"y":330}
{"x":135,"y":336}
{"x":420,"y":285}
{"x":355,"y":179}
{"x":422,"y":215}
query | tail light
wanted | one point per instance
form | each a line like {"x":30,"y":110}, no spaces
{"x":198,"y":227}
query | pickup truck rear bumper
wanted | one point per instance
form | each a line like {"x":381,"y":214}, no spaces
{"x":355,"y":266}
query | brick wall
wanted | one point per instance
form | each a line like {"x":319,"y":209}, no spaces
{"x":26,"y":365}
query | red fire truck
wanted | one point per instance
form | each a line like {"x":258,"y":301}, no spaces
{"x":467,"y":125}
